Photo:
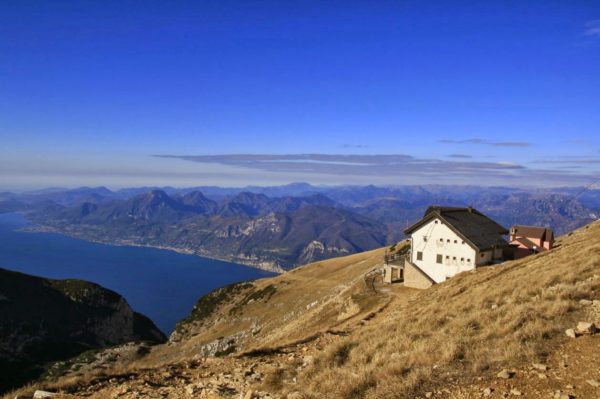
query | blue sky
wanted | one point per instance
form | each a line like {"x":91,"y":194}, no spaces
{"x":459,"y":92}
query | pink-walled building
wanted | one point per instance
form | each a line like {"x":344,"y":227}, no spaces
{"x":530,"y":240}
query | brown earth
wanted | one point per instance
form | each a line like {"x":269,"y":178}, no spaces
{"x":325,"y":332}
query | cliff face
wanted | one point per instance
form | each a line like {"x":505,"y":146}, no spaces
{"x":43,"y":320}
{"x":332,"y":330}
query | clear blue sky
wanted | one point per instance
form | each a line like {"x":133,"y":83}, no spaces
{"x":90,"y":91}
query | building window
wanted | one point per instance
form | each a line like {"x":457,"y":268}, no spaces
{"x":462,"y":259}
{"x":454,"y":258}
{"x":447,"y":257}
{"x":419,"y":255}
{"x":425,"y":238}
{"x":438,"y":258}
{"x":441,"y":240}
{"x":436,"y":222}
{"x":455,"y":241}
{"x":463,"y":243}
{"x":448,"y":240}
{"x":468,"y":260}
{"x":482,"y":255}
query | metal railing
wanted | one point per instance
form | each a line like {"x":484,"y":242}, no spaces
{"x":394,"y":258}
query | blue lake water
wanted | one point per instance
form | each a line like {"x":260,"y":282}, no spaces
{"x":163,"y":285}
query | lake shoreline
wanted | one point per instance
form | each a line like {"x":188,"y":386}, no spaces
{"x":37,"y":228}
{"x":160,"y":283}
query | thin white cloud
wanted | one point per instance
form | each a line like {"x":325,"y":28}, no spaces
{"x":391,"y":168}
{"x":592,"y":28}
{"x":464,"y":156}
{"x":478,"y":141}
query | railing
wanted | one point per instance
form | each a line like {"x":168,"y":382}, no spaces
{"x":394,"y":258}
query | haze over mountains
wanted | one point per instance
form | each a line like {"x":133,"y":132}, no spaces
{"x":280,"y":227}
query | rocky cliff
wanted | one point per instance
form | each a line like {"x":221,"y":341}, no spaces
{"x":521,"y":328}
{"x":42,"y":320}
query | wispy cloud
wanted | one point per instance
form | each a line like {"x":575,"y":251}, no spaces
{"x":511,"y":144}
{"x":478,"y":141}
{"x":576,"y":141}
{"x":365,"y":165}
{"x":393,"y":168}
{"x":575,"y":160}
{"x":347,"y":145}
{"x":592,"y":28}
{"x":459,"y":156}
{"x":465,"y":141}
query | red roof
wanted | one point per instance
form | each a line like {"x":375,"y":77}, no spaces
{"x":540,"y":233}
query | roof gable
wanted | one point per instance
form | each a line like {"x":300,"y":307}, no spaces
{"x":541,"y":233}
{"x":473,"y":226}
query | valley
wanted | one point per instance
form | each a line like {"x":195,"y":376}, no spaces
{"x":302,"y":333}
{"x":299,"y":200}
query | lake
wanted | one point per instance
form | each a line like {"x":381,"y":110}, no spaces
{"x":161,"y":284}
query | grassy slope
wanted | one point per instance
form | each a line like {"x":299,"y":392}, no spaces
{"x":282,"y":309}
{"x":455,"y":333}
{"x":473,"y":324}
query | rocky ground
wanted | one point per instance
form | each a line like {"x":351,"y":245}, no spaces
{"x":523,"y":329}
{"x":573,"y":371}
{"x":570,"y":372}
{"x":246,"y":376}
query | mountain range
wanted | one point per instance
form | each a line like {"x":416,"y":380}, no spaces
{"x":333,"y":329}
{"x":280,"y":227}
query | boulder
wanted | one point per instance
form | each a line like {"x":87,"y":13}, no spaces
{"x":585,"y":302}
{"x":506,"y":374}
{"x":43,"y":394}
{"x":594,"y":383}
{"x":308,"y":360}
{"x":540,"y":366}
{"x":571,"y":333}
{"x":584,"y":327}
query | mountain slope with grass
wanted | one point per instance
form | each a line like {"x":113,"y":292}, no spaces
{"x":251,"y":229}
{"x":43,"y":320}
{"x":331,"y":329}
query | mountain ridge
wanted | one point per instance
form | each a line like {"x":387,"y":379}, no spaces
{"x":297,"y":335}
{"x":252,"y":229}
{"x":189,"y":221}
{"x":43,"y":320}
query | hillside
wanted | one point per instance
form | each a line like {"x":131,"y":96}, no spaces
{"x":251,"y":229}
{"x":278,"y":228}
{"x":329,"y":330}
{"x":42,"y":320}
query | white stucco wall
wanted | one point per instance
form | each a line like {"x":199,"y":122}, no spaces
{"x":484,"y":258}
{"x":457,"y":255}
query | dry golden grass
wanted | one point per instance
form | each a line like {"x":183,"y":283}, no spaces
{"x":70,"y":381}
{"x":307,"y":300}
{"x":474,"y":323}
